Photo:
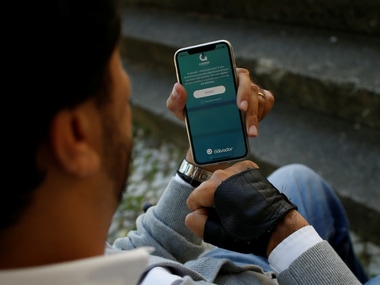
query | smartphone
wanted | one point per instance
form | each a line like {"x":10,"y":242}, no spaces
{"x":214,"y":124}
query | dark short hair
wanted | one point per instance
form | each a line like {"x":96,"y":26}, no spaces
{"x":55,"y":56}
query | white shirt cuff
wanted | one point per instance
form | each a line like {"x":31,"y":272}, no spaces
{"x":292,"y":247}
{"x":160,"y":276}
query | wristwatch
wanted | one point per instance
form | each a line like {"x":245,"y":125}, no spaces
{"x":192,"y":174}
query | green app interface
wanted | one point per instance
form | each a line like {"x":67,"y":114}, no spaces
{"x":214,"y":122}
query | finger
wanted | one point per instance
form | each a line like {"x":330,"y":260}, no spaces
{"x":265,"y":101}
{"x":177,"y":101}
{"x":269,"y":102}
{"x":244,"y":91}
{"x":203,"y":195}
{"x":247,"y":102}
{"x":261,"y":102}
{"x":251,"y":116}
{"x":235,"y":168}
{"x":196,"y":221}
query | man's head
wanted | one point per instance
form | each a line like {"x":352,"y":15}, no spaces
{"x":67,"y":133}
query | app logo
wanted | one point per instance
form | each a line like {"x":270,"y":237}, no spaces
{"x":202,"y":57}
{"x":222,"y":150}
{"x":219,"y":150}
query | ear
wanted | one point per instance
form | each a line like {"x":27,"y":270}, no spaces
{"x":73,"y":136}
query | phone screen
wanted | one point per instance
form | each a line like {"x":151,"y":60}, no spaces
{"x":214,"y":123}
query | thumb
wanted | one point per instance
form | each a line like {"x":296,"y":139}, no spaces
{"x":196,"y":221}
{"x":177,"y":100}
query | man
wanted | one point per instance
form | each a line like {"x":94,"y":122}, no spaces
{"x":68,"y":168}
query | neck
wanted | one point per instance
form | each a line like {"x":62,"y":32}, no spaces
{"x":52,"y":232}
{"x":23,"y":247}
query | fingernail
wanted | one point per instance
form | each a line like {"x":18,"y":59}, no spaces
{"x":244,"y":105}
{"x":252,"y":131}
{"x":174,"y":91}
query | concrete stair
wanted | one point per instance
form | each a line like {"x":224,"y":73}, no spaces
{"x":326,"y":82}
{"x":359,"y":17}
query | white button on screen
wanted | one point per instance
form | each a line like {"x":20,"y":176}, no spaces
{"x":209,"y":91}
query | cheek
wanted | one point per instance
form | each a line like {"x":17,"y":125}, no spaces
{"x":125,"y":112}
{"x":122,"y":92}
{"x":125,"y":127}
{"x":128,"y":123}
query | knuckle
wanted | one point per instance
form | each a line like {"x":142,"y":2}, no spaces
{"x":243,"y":71}
{"x":254,"y":87}
{"x":220,"y":174}
{"x":248,"y":164}
{"x":269,"y":96}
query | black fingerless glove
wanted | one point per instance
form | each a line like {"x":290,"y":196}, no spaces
{"x":246,"y":208}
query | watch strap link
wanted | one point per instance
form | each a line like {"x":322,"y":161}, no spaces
{"x":193,"y":174}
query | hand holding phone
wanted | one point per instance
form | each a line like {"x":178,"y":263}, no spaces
{"x":214,"y":123}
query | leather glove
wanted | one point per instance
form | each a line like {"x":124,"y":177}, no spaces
{"x":246,"y":209}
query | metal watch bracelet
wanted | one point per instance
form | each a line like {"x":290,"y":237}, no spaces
{"x":193,"y":174}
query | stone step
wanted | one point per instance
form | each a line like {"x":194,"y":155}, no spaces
{"x":343,"y":150}
{"x":358,"y":17}
{"x":333,"y":74}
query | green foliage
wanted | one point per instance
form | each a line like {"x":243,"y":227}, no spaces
{"x":154,"y":163}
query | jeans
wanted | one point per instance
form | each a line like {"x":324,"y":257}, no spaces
{"x":319,"y":205}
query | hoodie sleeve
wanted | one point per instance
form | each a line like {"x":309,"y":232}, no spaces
{"x":163,"y":226}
